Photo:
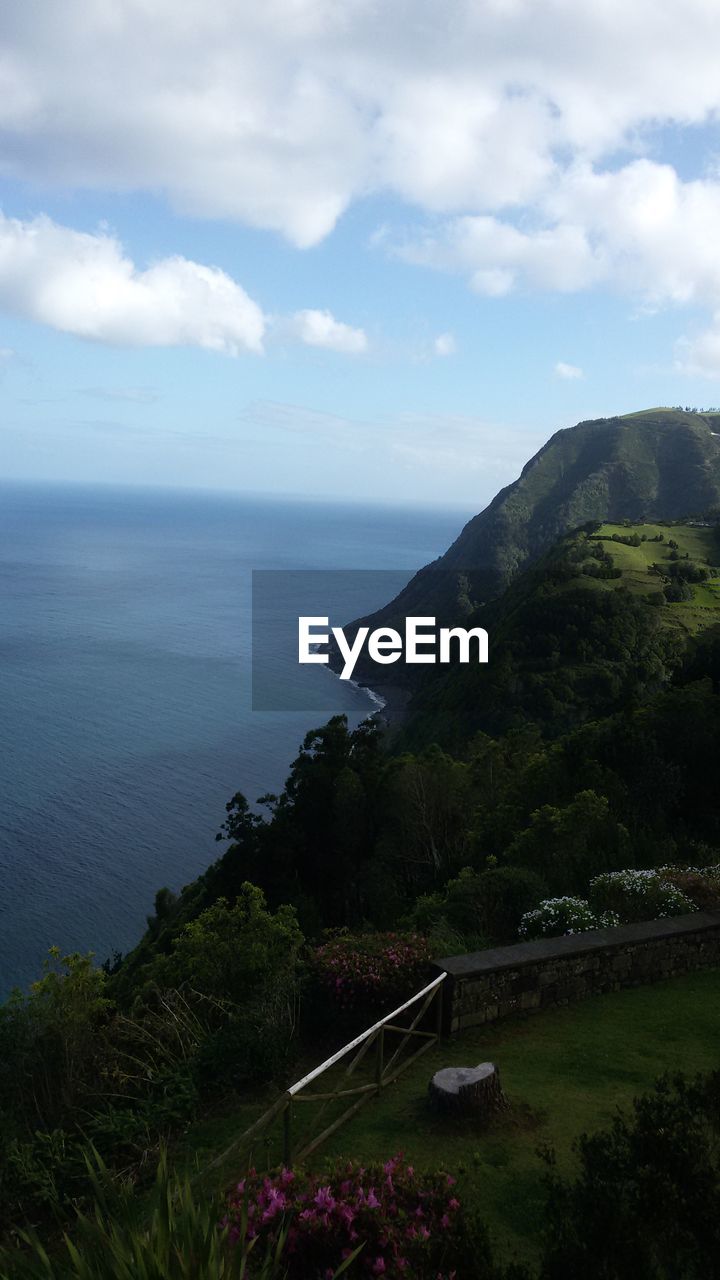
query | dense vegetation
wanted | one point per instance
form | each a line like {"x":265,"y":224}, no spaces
{"x":597,"y":755}
{"x":659,"y":464}
{"x":581,"y":633}
{"x":571,"y":782}
{"x":641,"y":1205}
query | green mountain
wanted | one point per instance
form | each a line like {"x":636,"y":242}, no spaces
{"x":600,"y":622}
{"x":657,"y":464}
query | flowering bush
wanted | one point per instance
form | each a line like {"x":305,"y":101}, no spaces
{"x":371,"y":970}
{"x":563,"y":915}
{"x":403,"y":1224}
{"x":639,"y":895}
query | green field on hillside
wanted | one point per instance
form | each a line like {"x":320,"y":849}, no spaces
{"x":700,"y":544}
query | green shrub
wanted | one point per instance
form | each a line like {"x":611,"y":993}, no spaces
{"x":677,"y":592}
{"x":234,"y":952}
{"x":46,"y":1171}
{"x":219,"y":1010}
{"x":50,"y":1050}
{"x":243,"y":962}
{"x":566,"y":844}
{"x":479,"y":907}
{"x":505,"y":894}
{"x":644,"y":1205}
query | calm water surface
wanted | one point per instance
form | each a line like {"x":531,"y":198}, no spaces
{"x":125,"y":716}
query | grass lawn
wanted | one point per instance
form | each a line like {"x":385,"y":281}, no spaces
{"x":565,"y":1072}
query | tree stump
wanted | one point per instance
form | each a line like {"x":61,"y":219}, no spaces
{"x":468,"y":1090}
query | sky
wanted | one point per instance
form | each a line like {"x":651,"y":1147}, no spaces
{"x":349,"y":248}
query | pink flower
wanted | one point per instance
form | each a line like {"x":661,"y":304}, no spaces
{"x":325,"y":1200}
{"x":379,"y":1266}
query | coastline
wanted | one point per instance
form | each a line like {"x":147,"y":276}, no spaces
{"x":390,"y":700}
{"x":391,"y":703}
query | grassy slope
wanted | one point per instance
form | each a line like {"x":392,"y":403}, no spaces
{"x":565,"y":1071}
{"x":703,"y":548}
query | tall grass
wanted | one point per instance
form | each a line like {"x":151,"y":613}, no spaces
{"x":173,"y":1235}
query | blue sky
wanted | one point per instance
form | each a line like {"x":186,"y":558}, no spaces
{"x":356,"y":250}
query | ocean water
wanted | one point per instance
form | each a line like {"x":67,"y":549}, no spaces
{"x":126,"y":718}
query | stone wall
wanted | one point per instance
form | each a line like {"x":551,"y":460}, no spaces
{"x":530,"y":976}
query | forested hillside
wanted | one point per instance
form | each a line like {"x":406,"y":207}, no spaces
{"x":657,"y":464}
{"x":570,"y":782}
{"x":597,"y":623}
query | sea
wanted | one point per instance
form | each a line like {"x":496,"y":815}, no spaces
{"x":126,"y":708}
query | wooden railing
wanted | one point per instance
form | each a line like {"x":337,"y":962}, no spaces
{"x":374,"y":1072}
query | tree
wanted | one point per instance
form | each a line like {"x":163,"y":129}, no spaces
{"x":565,"y":846}
{"x":234,"y":952}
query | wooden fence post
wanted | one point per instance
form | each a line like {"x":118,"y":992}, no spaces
{"x":439,"y":1011}
{"x":287,"y":1134}
{"x":379,"y":1058}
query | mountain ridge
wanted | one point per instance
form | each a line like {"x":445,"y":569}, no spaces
{"x":653,"y":464}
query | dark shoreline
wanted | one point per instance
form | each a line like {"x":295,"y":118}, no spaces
{"x":396,"y":700}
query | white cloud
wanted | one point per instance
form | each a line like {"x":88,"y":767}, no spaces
{"x":515,"y":124}
{"x":321,"y":329}
{"x":639,"y":230}
{"x":444,"y":345}
{"x":281,"y":115}
{"x":568,"y":371}
{"x":85,"y":284}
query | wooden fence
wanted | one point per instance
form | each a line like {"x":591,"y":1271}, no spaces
{"x":390,"y":1041}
